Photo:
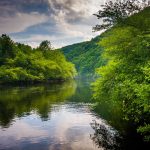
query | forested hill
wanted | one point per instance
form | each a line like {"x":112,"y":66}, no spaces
{"x":86,"y":56}
{"x":125,"y":79}
{"x":21,"y":63}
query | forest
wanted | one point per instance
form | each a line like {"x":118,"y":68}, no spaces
{"x":21,"y":63}
{"x":87,"y":56}
{"x":125,"y":79}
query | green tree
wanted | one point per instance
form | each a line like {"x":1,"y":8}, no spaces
{"x":32,"y":65}
{"x":45,"y":45}
{"x":7,"y":47}
{"x":116,"y":12}
{"x":125,"y":79}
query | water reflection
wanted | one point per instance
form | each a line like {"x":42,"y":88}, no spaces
{"x":112,"y":112}
{"x":60,"y":117}
{"x":21,"y":101}
{"x":128,"y":139}
{"x":105,"y":136}
{"x":47,"y":117}
{"x":67,"y":129}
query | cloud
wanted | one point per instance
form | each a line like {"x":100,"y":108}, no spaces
{"x":20,"y":21}
{"x":56,"y":40}
{"x":17,"y":15}
{"x":31,"y":21}
{"x":10,"y":7}
{"x":73,"y":10}
{"x":75,"y":18}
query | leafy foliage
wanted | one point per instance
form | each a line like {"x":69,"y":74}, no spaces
{"x":20,"y":62}
{"x":86,"y":56}
{"x":45,"y":45}
{"x":125,"y":79}
{"x":116,"y":12}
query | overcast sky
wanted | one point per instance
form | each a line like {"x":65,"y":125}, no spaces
{"x":62,"y":22}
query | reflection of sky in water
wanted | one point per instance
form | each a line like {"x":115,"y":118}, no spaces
{"x":68,"y":128}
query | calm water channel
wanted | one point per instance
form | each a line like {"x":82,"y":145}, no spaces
{"x":61,"y":117}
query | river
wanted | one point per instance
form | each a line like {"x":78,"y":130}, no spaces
{"x":59,"y":117}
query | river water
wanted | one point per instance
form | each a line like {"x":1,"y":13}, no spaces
{"x":57,"y":117}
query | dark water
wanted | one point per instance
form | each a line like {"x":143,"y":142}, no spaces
{"x":60,"y":117}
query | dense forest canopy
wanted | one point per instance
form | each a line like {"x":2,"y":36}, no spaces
{"x":125,"y":79}
{"x":19,"y":62}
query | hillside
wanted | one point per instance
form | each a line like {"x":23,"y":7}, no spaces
{"x":86,"y":56}
{"x":125,"y":79}
{"x":21,"y":63}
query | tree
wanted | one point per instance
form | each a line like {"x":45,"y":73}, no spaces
{"x":21,"y":63}
{"x":6,"y":46}
{"x":45,"y":45}
{"x":116,"y":12}
{"x":126,"y":77}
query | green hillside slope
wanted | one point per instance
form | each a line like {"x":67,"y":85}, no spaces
{"x":21,"y":63}
{"x":125,"y":79}
{"x":86,"y":56}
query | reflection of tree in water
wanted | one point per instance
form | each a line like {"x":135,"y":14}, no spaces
{"x":20,"y":101}
{"x":105,"y":137}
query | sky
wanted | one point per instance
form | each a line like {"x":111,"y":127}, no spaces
{"x":63,"y":22}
